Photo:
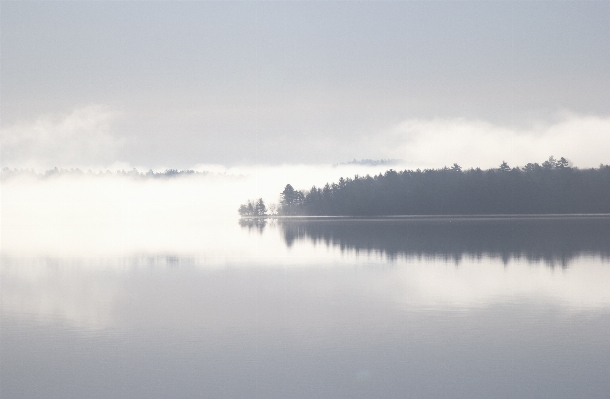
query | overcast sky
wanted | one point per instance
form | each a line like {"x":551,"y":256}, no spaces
{"x":176,"y":84}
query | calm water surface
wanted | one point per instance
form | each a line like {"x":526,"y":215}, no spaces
{"x":329,"y":308}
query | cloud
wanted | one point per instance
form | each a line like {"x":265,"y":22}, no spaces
{"x":81,"y":138}
{"x":585,"y":140}
{"x":87,"y":138}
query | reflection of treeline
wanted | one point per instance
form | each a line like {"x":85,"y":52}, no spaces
{"x":553,"y":187}
{"x":256,"y":224}
{"x":552,"y":240}
{"x":168,"y":173}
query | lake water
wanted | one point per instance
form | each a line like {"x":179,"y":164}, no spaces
{"x":317,"y":308}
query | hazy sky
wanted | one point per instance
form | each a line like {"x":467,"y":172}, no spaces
{"x":176,"y":84}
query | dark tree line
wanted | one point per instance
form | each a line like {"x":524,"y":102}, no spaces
{"x":553,"y":187}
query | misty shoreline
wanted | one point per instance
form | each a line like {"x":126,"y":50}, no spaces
{"x":373,"y":218}
{"x":554,"y":187}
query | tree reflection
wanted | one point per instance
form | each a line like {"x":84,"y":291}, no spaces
{"x":253,"y":224}
{"x":555,"y":241}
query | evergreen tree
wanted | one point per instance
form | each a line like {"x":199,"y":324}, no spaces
{"x":260,"y":209}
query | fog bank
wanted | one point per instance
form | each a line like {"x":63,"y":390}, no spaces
{"x":115,"y":215}
{"x":99,"y":137}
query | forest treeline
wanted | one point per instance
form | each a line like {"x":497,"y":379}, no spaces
{"x":553,"y":187}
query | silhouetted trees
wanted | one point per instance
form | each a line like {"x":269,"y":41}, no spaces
{"x":260,"y":209}
{"x":291,"y":201}
{"x":254,"y":208}
{"x":554,"y":187}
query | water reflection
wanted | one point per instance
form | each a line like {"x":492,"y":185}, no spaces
{"x":553,"y":240}
{"x":254,"y":323}
{"x":155,"y":328}
{"x":253,"y":224}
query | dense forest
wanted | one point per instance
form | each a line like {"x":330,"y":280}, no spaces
{"x":553,"y":187}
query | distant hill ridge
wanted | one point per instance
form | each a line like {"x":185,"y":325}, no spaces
{"x":371,"y":162}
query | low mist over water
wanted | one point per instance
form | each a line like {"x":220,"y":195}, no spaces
{"x":308,"y":199}
{"x":74,"y":214}
{"x":124,"y":285}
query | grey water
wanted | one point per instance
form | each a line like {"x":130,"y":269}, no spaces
{"x":320,"y":308}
